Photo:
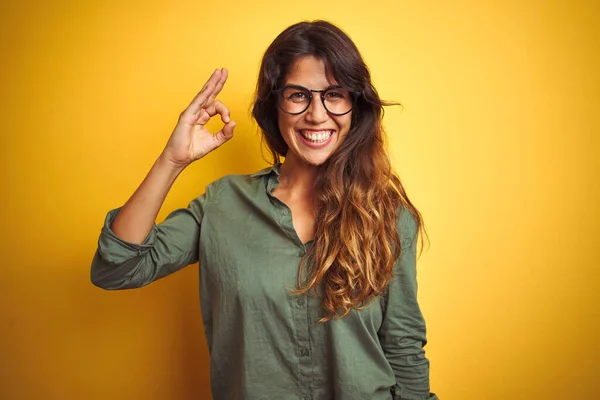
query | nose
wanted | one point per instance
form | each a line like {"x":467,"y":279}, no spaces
{"x":316,"y":112}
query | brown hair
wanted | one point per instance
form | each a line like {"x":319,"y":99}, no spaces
{"x":358,"y":193}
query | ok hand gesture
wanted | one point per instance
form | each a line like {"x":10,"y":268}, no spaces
{"x":190,"y":140}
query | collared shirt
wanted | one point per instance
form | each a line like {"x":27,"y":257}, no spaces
{"x":265,"y":342}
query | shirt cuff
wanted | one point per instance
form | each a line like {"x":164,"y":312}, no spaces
{"x":116,"y":250}
{"x":432,"y":396}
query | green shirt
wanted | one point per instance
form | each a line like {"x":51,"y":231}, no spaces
{"x":264,"y":342}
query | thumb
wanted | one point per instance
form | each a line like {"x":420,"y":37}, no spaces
{"x":225,"y":134}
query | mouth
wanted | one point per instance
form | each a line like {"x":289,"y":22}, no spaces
{"x":316,"y":136}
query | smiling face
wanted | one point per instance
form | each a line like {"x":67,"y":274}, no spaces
{"x":315,"y":134}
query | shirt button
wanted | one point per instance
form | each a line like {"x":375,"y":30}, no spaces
{"x":300,"y":302}
{"x":304,"y":352}
{"x":285,"y":212}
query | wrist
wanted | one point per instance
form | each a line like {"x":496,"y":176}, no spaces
{"x":163,"y":162}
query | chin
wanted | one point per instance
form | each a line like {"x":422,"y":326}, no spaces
{"x":316,"y":161}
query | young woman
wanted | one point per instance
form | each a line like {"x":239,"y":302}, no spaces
{"x":308,"y":268}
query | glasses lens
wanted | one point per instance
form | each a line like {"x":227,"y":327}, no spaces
{"x":338,"y":100}
{"x":294,"y":100}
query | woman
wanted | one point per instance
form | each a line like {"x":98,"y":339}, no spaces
{"x":308,"y":280}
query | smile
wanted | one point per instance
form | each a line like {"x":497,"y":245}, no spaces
{"x":316,"y":136}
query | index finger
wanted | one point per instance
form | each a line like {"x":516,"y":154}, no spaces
{"x":207,"y":90}
{"x":218,"y":87}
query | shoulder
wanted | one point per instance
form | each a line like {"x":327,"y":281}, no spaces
{"x":228,"y":183}
{"x":237,"y":184}
{"x":407,"y":226}
{"x":232,"y":192}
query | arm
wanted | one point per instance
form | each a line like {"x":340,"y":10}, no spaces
{"x":136,"y":218}
{"x":190,"y":141}
{"x":403,"y":333}
{"x":132,"y":250}
{"x":168,"y":247}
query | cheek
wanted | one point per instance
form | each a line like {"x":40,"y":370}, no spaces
{"x":286,"y":122}
{"x":345,"y":123}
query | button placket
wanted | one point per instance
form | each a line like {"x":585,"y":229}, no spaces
{"x":303,"y":349}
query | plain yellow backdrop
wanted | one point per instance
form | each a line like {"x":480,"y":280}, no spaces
{"x":497,"y":144}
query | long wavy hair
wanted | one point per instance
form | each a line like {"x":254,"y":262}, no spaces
{"x":358,"y":194}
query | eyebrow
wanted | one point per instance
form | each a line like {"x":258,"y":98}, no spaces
{"x":337,"y":85}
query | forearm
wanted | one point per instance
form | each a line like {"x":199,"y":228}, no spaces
{"x":134,"y":221}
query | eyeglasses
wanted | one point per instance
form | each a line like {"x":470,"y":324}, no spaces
{"x":294,"y":99}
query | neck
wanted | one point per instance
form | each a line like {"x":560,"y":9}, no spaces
{"x":298,"y":177}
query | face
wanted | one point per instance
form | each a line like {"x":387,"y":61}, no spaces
{"x":315,"y":134}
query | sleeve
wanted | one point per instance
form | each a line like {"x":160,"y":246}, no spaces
{"x":170,"y":246}
{"x":403,"y":333}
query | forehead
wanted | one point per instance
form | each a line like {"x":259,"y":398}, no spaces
{"x":310,"y":72}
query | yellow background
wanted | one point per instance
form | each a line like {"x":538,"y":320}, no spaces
{"x":497,"y":144}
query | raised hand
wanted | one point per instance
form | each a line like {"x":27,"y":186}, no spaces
{"x":190,"y":139}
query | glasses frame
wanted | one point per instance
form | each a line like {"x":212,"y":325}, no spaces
{"x":310,"y":98}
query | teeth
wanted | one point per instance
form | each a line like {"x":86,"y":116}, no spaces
{"x":316,"y":137}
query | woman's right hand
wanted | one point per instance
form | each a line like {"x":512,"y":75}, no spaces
{"x":190,"y":140}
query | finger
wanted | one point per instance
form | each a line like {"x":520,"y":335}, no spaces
{"x":212,"y":81}
{"x":206,"y":113}
{"x":219,"y":86}
{"x":204,"y":94}
{"x":203,"y":117}
{"x":219,"y":108}
{"x":228,"y":129}
{"x":224,"y":134}
{"x":199,"y":101}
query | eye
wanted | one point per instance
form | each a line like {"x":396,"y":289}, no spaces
{"x":336,"y":94}
{"x":296,"y":96}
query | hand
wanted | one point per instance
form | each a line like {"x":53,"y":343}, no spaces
{"x":190,"y":140}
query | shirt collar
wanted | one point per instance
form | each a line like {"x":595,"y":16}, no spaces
{"x":274,"y":169}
